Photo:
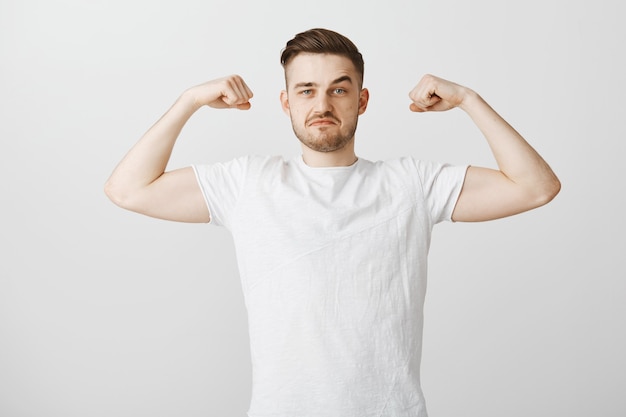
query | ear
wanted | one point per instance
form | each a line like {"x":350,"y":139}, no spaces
{"x":284,"y":102}
{"x":364,"y":98}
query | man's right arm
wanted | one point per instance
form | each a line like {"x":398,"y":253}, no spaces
{"x":140,"y":183}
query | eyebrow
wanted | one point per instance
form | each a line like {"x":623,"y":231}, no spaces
{"x":337,"y":81}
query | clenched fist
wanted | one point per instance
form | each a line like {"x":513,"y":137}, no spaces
{"x":229,"y":92}
{"x":436,"y":94}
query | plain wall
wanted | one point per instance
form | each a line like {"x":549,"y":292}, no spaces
{"x":104,"y":312}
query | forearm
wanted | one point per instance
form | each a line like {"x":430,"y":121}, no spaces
{"x":516,"y":159}
{"x":147,"y":159}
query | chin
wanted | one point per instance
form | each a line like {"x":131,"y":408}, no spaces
{"x":326,"y":145}
{"x":324,"y":141}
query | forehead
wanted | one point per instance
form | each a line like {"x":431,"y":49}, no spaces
{"x":321,"y":69}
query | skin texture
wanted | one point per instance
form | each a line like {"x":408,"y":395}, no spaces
{"x":323,"y":99}
{"x":523,"y":180}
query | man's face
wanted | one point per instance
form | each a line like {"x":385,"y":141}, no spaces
{"x":323,"y":100}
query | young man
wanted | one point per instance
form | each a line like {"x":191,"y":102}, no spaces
{"x":332,"y":248}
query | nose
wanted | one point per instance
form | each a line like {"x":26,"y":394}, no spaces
{"x":322,"y":104}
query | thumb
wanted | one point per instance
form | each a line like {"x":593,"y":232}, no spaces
{"x":244,"y":106}
{"x":415,"y":108}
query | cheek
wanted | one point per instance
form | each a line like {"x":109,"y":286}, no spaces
{"x":351,"y":109}
{"x":297,"y":112}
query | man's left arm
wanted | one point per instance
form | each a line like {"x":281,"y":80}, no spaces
{"x":523,"y":180}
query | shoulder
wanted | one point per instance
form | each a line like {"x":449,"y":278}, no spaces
{"x":263,"y":165}
{"x":423,"y":174}
{"x":245,"y":163}
{"x":401,"y":166}
{"x":410,"y":163}
{"x":423,"y":168}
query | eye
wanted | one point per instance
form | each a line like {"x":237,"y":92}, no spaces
{"x":306,"y":92}
{"x":339,"y":91}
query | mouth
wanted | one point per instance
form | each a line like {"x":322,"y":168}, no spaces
{"x":322,"y":122}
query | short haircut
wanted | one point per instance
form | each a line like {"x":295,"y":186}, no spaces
{"x":323,"y":41}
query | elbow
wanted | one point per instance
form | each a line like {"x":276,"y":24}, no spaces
{"x":128,"y":198}
{"x":548,"y":191}
{"x":115,"y":194}
{"x":556,"y":187}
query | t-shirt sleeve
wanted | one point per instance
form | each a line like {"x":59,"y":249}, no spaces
{"x":441,"y":186}
{"x":221,"y":185}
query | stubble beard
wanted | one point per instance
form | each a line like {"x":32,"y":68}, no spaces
{"x":325,"y":141}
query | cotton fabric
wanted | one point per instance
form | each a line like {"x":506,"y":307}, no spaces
{"x":333,"y":265}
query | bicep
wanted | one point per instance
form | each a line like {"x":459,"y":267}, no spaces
{"x":175,"y":196}
{"x":488,"y":194}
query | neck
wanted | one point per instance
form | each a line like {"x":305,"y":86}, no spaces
{"x":340,"y":158}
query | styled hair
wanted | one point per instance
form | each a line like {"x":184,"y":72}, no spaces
{"x":322,"y":41}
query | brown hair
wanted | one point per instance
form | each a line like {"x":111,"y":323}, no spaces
{"x":322,"y":41}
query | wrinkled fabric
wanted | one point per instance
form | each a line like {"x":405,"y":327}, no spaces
{"x":333,"y":266}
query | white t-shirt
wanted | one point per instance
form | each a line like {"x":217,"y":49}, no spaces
{"x":333,"y":266}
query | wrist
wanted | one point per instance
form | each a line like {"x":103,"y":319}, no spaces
{"x":190,"y":100}
{"x":469,"y":99}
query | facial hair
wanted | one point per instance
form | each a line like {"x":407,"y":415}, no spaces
{"x":325,"y":141}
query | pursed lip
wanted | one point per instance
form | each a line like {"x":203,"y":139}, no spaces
{"x":322,"y":122}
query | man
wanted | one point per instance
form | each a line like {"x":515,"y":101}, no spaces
{"x":332,"y":248}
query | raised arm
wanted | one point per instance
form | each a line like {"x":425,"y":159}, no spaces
{"x":523,"y":180}
{"x":140,"y":183}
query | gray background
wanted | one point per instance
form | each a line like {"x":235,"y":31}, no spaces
{"x":104,"y":312}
